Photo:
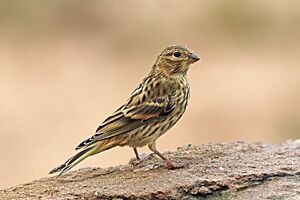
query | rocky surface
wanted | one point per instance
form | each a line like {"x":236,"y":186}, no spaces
{"x":234,"y":170}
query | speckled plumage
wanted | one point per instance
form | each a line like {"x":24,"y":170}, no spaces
{"x":152,"y":109}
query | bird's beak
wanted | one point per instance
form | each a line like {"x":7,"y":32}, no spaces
{"x":193,"y":57}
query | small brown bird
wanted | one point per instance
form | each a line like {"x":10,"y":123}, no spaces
{"x":151,"y":110}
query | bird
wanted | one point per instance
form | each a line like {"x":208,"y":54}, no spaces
{"x":152,"y":109}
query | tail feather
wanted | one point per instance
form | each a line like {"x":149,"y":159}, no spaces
{"x":71,"y":162}
{"x":86,"y":143}
{"x":88,"y":151}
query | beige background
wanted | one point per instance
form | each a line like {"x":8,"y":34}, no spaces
{"x":66,"y":65}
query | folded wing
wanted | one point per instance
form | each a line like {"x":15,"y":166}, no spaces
{"x":131,"y":116}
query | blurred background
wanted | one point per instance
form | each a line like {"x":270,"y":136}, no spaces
{"x":66,"y":65}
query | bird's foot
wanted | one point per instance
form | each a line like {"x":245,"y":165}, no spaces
{"x":143,"y":157}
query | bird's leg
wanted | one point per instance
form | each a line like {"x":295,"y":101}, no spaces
{"x":136,"y":154}
{"x":169,"y":164}
{"x":140,"y":158}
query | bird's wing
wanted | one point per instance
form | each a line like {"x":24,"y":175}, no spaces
{"x":132,"y":115}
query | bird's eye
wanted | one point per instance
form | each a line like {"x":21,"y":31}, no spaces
{"x":177,"y":54}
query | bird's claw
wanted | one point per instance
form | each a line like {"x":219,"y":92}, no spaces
{"x":143,"y":157}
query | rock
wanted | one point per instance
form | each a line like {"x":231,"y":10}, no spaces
{"x":234,"y":170}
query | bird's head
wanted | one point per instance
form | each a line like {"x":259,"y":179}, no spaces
{"x":175,"y":59}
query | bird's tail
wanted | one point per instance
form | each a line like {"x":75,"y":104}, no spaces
{"x":74,"y":160}
{"x":86,"y":152}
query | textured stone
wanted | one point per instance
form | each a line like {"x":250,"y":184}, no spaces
{"x":234,"y":170}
